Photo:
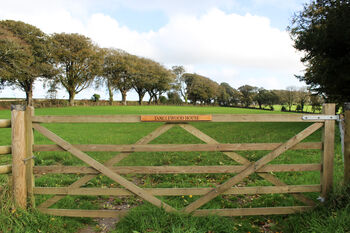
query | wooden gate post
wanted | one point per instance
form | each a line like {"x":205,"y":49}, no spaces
{"x":347,"y":144}
{"x":18,"y":155}
{"x":327,"y":151}
{"x":29,"y":113}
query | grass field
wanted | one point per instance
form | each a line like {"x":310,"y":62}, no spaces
{"x":156,"y":220}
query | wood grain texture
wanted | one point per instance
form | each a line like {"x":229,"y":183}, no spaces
{"x":253,"y":211}
{"x":177,"y":191}
{"x":18,"y":155}
{"x":5,"y":169}
{"x":84,"y":213}
{"x":175,"y":169}
{"x":137,"y":118}
{"x":181,"y":147}
{"x":175,"y":118}
{"x":29,"y":113}
{"x":5,"y":150}
{"x":5,"y":123}
{"x":347,"y":146}
{"x":328,"y":151}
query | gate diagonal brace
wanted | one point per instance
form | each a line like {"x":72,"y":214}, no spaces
{"x":103,"y":169}
{"x":253,"y":167}
{"x":241,"y":160}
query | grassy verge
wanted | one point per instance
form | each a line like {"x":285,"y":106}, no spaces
{"x":14,"y":219}
{"x":145,"y":218}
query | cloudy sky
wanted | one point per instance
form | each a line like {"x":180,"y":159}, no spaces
{"x":234,"y":41}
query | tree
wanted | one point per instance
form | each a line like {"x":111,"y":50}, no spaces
{"x":290,"y":96}
{"x":140,"y":76}
{"x":180,"y":83}
{"x":227,"y":95}
{"x":262,"y":97}
{"x":200,"y":89}
{"x":247,"y":94}
{"x":272,"y":99}
{"x":77,"y":60}
{"x":159,"y":80}
{"x":316,"y":103}
{"x":117,"y":72}
{"x":302,"y":97}
{"x":321,"y":32}
{"x":24,"y":56}
{"x":174,"y":98}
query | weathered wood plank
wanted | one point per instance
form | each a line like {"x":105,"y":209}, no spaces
{"x":328,"y":151}
{"x":175,"y":169}
{"x":5,"y":150}
{"x":146,"y":139}
{"x":18,"y":155}
{"x":175,"y":118}
{"x":253,"y":167}
{"x":346,"y":127}
{"x":87,"y":119}
{"x":5,"y":169}
{"x":260,"y":118}
{"x":137,"y":118}
{"x":205,"y":212}
{"x":103,"y":169}
{"x":84,"y":213}
{"x":5,"y":123}
{"x":177,"y":191}
{"x":253,"y":211}
{"x":29,"y":113}
{"x":181,"y":147}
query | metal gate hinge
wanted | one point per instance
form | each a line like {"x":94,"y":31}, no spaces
{"x":321,"y":117}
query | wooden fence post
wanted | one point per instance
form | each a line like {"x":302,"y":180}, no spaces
{"x":327,"y":151}
{"x":347,"y":144}
{"x":18,"y":155}
{"x":29,"y":154}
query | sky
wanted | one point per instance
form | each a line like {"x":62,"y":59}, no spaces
{"x":235,"y":41}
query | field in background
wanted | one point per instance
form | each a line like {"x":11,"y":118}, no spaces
{"x":128,"y":133}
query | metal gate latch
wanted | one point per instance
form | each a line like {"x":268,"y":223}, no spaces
{"x":321,"y":117}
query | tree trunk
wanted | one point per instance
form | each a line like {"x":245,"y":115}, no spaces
{"x":141,"y":95}
{"x":110,"y":92}
{"x":29,"y":97}
{"x":123,"y":97}
{"x":71,"y":97}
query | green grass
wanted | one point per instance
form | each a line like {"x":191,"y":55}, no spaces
{"x":157,"y":220}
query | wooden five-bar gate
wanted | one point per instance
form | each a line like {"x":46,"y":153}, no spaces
{"x":23,"y":169}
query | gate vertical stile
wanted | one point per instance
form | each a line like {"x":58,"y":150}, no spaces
{"x":29,"y":113}
{"x":327,"y":155}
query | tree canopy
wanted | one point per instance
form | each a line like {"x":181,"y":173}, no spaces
{"x":322,"y":31}
{"x":77,"y":60}
{"x":24,"y":55}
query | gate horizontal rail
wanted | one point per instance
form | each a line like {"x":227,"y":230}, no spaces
{"x":176,"y":169}
{"x":181,"y":147}
{"x":137,"y":118}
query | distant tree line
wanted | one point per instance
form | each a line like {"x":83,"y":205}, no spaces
{"x":74,"y":62}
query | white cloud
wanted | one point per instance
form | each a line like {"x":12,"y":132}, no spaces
{"x":217,"y":44}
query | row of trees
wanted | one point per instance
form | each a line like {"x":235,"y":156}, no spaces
{"x":74,"y":62}
{"x":200,"y":89}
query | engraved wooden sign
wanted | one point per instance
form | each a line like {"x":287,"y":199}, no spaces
{"x":176,"y":118}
